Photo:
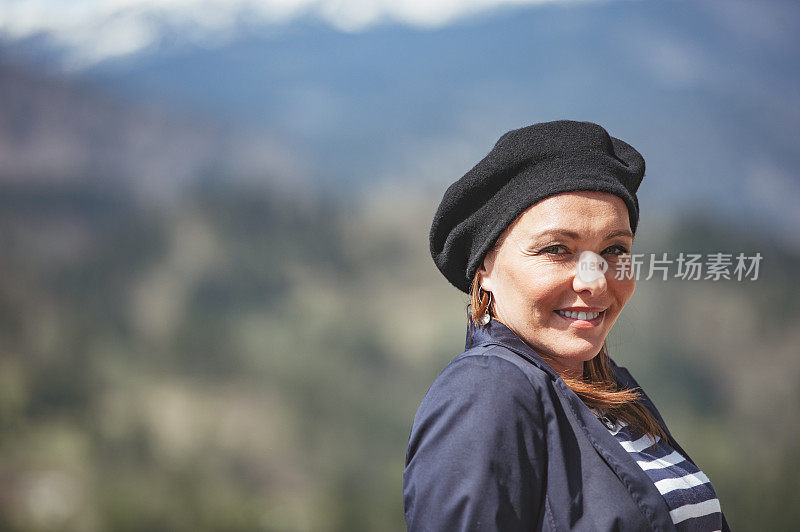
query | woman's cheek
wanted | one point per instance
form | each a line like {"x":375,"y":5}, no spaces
{"x":624,"y":288}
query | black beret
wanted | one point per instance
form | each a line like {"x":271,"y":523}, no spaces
{"x":525,"y":166}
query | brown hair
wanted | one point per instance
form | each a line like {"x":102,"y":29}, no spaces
{"x":598,"y":389}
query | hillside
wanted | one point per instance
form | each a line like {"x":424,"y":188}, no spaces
{"x":60,"y":129}
{"x":243,"y":361}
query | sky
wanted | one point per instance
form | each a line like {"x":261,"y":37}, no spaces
{"x":94,"y":30}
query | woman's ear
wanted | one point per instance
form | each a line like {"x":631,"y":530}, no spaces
{"x":486,"y":273}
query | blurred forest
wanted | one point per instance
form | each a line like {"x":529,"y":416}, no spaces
{"x":240,"y":360}
{"x":196,"y":335}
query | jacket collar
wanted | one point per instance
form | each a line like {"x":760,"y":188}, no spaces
{"x":639,"y":485}
{"x":498,"y":333}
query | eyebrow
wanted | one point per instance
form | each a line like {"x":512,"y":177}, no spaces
{"x":573,"y":235}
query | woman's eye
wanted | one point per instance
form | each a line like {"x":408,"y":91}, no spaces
{"x":616,"y":249}
{"x":554,"y":249}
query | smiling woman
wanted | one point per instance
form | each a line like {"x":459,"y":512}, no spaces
{"x":534,"y":426}
{"x":531,"y":274}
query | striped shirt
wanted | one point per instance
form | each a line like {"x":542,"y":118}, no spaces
{"x":692,"y":501}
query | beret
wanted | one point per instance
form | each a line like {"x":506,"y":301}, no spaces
{"x":525,"y":166}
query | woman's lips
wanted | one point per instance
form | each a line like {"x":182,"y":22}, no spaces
{"x":582,"y":323}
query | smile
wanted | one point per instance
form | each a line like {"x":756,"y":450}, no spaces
{"x":579,"y":315}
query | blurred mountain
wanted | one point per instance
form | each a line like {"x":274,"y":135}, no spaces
{"x":707,"y":91}
{"x":58,"y":129}
{"x":217,"y":305}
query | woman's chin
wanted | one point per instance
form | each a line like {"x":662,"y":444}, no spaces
{"x":569,"y":346}
{"x":580,"y":349}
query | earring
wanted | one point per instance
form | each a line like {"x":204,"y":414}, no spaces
{"x":487,"y":317}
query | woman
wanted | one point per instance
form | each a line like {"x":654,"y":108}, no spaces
{"x":534,"y":427}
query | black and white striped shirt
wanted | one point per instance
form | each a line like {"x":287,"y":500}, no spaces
{"x":691,"y":498}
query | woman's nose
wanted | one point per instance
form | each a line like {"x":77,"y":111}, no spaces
{"x":590,"y":273}
{"x":596,"y":286}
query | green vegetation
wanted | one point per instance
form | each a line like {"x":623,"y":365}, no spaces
{"x":245,"y":360}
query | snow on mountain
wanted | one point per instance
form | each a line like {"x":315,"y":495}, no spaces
{"x":95,"y":30}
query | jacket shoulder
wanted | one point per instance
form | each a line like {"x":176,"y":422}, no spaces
{"x":485,"y":389}
{"x":484,"y":380}
{"x":477,"y":453}
{"x":507,"y":363}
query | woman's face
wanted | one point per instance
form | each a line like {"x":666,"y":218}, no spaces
{"x":531,"y":273}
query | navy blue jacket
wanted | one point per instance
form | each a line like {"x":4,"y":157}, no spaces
{"x":501,"y":443}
